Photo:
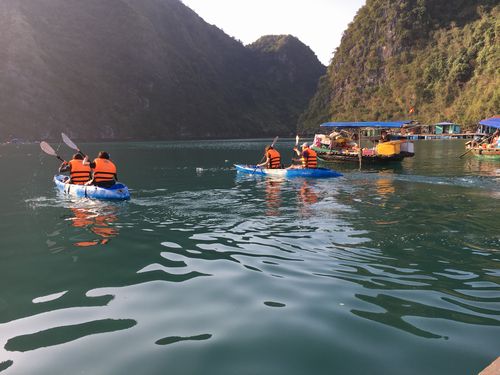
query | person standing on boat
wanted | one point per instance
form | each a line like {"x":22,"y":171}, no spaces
{"x":495,"y":139}
{"x":273,"y":158}
{"x":79,"y":173}
{"x":384,"y":136}
{"x":103,"y":170}
{"x":308,"y":156}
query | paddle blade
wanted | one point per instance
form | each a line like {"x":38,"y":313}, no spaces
{"x":69,"y":142}
{"x":296,"y":140}
{"x":47,"y":148}
{"x":274,"y":141}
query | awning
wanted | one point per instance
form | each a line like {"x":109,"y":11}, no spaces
{"x":492,"y":122}
{"x":367,"y":124}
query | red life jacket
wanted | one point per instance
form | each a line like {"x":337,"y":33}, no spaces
{"x":274,"y":159}
{"x":309,"y":158}
{"x":79,"y":173}
{"x":104,"y":170}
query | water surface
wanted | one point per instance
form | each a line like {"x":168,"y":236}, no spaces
{"x":389,"y":270}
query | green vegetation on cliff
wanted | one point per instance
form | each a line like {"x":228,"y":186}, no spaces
{"x":440,"y":57}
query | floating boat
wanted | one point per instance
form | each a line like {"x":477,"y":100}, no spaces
{"x":116,"y":192}
{"x":484,"y":143}
{"x":345,"y":149}
{"x":288,"y":173}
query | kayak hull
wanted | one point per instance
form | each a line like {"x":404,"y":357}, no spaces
{"x":116,"y":192}
{"x":288,"y":173}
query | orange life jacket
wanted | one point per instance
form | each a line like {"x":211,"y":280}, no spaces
{"x":104,"y":170}
{"x":309,"y":159}
{"x":274,"y":159}
{"x":79,"y":173}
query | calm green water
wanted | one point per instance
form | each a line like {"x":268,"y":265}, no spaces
{"x":383,"y":271}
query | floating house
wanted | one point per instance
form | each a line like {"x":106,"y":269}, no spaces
{"x":446,"y":128}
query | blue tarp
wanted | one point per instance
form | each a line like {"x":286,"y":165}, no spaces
{"x":493,"y":122}
{"x":368,"y":124}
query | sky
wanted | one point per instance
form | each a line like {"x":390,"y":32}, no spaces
{"x":317,"y":23}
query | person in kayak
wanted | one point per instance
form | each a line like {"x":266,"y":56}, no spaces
{"x":103,"y":170}
{"x":273,"y":158}
{"x":308,"y":157}
{"x":79,"y":173}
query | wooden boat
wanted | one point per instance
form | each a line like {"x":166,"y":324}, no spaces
{"x":486,"y":152}
{"x":486,"y":142}
{"x":347,"y":150}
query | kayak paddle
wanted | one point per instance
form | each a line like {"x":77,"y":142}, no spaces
{"x":296,"y":146}
{"x":71,"y":144}
{"x":50,"y":151}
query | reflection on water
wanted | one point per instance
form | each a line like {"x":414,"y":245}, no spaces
{"x":98,"y":222}
{"x":385,"y":187}
{"x":273,"y":196}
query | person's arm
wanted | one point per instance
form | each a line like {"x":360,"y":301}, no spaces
{"x":87,"y":162}
{"x":264,"y":163}
{"x":64,"y":167}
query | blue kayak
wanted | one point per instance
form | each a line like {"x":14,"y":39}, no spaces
{"x":116,"y":192}
{"x":288,"y":173}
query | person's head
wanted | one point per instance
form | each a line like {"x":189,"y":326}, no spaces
{"x":305,"y":145}
{"x":269,"y":147}
{"x":103,"y":155}
{"x":77,"y":157}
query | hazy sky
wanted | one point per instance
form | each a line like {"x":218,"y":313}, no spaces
{"x":317,"y":23}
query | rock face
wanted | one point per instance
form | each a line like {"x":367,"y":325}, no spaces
{"x":428,"y":60}
{"x":143,"y":69}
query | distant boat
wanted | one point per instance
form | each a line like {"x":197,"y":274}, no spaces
{"x":344,"y":144}
{"x":486,"y":142}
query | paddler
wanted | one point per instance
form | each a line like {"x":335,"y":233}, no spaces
{"x":308,"y":157}
{"x":103,"y":170}
{"x":273,"y":158}
{"x":79,"y":173}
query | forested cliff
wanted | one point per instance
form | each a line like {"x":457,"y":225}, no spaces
{"x":143,"y":69}
{"x":426,"y":60}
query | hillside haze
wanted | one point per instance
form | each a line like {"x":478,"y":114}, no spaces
{"x":143,"y":69}
{"x":428,"y":60}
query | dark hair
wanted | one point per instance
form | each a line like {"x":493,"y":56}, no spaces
{"x":103,"y":155}
{"x":78,"y":157}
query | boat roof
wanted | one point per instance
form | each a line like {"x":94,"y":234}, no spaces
{"x":445,"y":123}
{"x":365,"y":124}
{"x":492,"y":122}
